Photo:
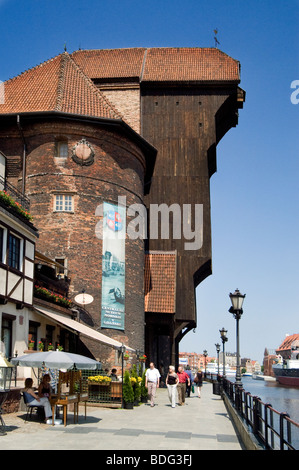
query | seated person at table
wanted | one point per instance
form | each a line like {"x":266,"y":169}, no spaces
{"x":113,"y":375}
{"x":33,"y":399}
{"x":44,"y":389}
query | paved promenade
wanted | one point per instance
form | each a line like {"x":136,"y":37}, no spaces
{"x":202,"y":424}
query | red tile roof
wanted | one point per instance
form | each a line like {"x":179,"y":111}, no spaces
{"x":189,"y":64}
{"x":159,"y":64}
{"x":160,"y":282}
{"x":287,"y":342}
{"x":107,"y":63}
{"x":65,"y":84}
{"x":56,"y":85}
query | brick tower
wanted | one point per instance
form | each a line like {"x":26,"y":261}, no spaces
{"x":78,"y":155}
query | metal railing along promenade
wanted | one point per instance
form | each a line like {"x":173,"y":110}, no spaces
{"x":275,"y":430}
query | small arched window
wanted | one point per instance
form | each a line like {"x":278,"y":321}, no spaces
{"x":62,"y":149}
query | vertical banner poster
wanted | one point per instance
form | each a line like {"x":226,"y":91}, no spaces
{"x":113,"y":267}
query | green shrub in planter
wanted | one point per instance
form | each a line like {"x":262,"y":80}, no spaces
{"x":128,"y":393}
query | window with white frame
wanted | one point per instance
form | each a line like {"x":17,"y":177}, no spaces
{"x":15,"y":247}
{"x":1,"y":245}
{"x":63,"y":203}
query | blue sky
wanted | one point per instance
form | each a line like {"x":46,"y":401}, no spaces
{"x":254,"y":194}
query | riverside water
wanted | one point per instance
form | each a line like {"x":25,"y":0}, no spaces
{"x":281,"y":397}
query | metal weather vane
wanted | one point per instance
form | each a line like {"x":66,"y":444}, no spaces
{"x":215,"y":37}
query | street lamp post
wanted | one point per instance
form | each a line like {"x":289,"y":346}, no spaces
{"x":224,"y":338}
{"x":237,"y":300}
{"x":205,"y":353}
{"x":218,"y":351}
{"x":122,"y":351}
{"x":138,"y":352}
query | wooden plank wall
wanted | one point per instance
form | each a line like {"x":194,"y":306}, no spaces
{"x":180,"y":122}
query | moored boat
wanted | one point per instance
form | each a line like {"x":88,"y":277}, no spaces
{"x":286,"y":368}
{"x":257,"y":376}
{"x":287,"y":372}
{"x":212,"y":368}
{"x":269,"y":378}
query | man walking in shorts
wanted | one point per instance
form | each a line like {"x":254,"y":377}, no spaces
{"x":152,"y":379}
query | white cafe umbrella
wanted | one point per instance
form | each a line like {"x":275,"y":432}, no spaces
{"x":56,"y":360}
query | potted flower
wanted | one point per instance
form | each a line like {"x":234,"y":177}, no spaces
{"x":128,"y":393}
{"x":31,"y":344}
{"x":50,"y":347}
{"x":142,"y":358}
{"x":16,"y":206}
{"x":99,"y":379}
{"x":126,"y":356}
{"x":40,"y":346}
{"x":49,"y":296}
{"x":135,"y":384}
{"x":60,"y":348}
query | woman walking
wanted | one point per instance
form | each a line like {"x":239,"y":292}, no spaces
{"x":198,"y":382}
{"x":171,"y":381}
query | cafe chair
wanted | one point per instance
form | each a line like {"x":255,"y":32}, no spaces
{"x":30,"y":408}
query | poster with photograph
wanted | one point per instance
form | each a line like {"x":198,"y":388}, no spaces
{"x":113,"y":267}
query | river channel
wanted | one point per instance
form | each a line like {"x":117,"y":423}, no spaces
{"x":282,"y":398}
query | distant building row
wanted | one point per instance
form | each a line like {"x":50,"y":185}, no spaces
{"x":198,"y":361}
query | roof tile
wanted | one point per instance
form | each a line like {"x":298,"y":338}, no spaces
{"x":287,"y":342}
{"x":56,"y":85}
{"x":189,"y":64}
{"x":160,"y":282}
{"x":64,"y":83}
{"x":159,"y":64}
{"x":107,"y":63}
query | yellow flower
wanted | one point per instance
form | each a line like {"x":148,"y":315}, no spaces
{"x":99,"y":379}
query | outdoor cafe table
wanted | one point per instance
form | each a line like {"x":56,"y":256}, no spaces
{"x":65,"y":400}
{"x":82,"y":397}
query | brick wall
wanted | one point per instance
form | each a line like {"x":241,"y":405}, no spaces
{"x":118,"y":170}
{"x":126,"y":98}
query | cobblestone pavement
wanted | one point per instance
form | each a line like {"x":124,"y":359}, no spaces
{"x":202,"y":424}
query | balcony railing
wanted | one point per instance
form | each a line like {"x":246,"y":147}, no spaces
{"x":14,"y":193}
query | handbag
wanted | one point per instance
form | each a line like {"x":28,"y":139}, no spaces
{"x":195,"y":380}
